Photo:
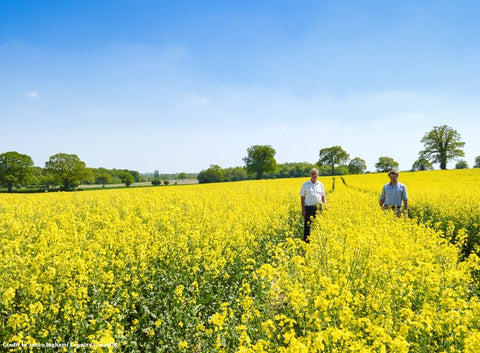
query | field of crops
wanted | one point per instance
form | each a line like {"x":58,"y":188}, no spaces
{"x":446,"y":200}
{"x":222,"y":268}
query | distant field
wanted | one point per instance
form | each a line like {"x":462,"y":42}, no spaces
{"x":143,"y":183}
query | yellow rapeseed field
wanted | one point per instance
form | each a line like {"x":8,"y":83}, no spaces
{"x":222,"y":268}
{"x":447,"y":200}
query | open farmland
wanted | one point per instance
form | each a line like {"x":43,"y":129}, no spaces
{"x":221,"y":268}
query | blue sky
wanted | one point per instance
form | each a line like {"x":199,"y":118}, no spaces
{"x":179,"y":85}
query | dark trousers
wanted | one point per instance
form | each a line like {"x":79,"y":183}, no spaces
{"x":310,"y":214}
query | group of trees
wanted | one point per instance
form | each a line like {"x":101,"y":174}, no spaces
{"x":64,"y":170}
{"x":157,"y":176}
{"x":442,"y":144}
{"x":216,"y":174}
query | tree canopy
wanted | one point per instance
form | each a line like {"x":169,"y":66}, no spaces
{"x":15,"y":169}
{"x":127,"y":178}
{"x":67,"y":169}
{"x":386,"y":164}
{"x":442,"y":144}
{"x":260,"y":159}
{"x":357,"y":166}
{"x":182,"y":176}
{"x":332,"y":156}
{"x":103,"y":179}
{"x":477,"y":162}
{"x":422,"y":164}
{"x":462,"y":164}
{"x":214,"y":174}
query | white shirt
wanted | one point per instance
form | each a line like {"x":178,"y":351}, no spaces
{"x":312,"y":192}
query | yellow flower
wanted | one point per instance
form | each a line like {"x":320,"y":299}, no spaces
{"x":368,"y":281}
{"x":182,"y":345}
{"x":8,"y":296}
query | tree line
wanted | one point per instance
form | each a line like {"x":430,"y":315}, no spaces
{"x":441,"y":145}
{"x":61,"y":172}
{"x":66,"y":171}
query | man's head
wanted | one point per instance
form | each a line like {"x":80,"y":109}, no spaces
{"x":314,"y":174}
{"x":393,"y":174}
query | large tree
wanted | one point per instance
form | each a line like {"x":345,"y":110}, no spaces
{"x":260,"y":159}
{"x":67,"y":169}
{"x":15,"y":169}
{"x":357,"y":166}
{"x":442,"y":144}
{"x":332,"y":156}
{"x":386,"y":164}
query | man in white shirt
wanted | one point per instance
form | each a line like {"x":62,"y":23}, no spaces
{"x":312,"y":195}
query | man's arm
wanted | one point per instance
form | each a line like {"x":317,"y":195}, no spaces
{"x":405,"y":201}
{"x":382,"y":197}
{"x":302,"y":201}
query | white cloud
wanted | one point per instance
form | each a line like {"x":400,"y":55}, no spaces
{"x":33,"y":95}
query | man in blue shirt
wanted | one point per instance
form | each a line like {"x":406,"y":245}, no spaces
{"x":393,"y":194}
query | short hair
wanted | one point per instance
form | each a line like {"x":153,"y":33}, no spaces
{"x":393,"y":172}
{"x":313,"y":170}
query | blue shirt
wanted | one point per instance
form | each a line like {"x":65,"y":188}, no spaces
{"x":394,"y":195}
